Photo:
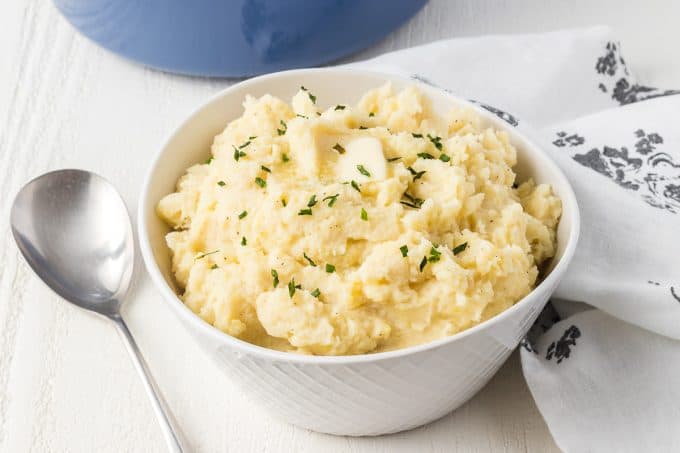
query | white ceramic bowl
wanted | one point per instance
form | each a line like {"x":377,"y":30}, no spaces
{"x":367,"y":394}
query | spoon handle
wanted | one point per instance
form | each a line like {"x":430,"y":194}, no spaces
{"x":171,"y":432}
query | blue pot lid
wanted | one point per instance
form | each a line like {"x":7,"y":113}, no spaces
{"x":236,"y":38}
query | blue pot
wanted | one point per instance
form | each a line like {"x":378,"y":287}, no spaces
{"x":235,"y":38}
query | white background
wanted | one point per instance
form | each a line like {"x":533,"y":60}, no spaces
{"x":65,"y":381}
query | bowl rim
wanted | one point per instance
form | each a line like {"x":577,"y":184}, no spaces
{"x":199,"y":324}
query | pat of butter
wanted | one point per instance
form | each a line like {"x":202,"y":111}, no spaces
{"x":362,"y":153}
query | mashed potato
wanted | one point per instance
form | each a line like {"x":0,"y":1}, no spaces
{"x":356,"y":229}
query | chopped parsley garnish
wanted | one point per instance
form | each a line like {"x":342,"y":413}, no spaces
{"x":301,"y":116}
{"x":364,"y":214}
{"x":243,"y":214}
{"x":316,"y":293}
{"x":275,"y":276}
{"x":459,"y":248}
{"x":355,"y":186}
{"x":209,"y":160}
{"x":238,"y":154}
{"x":363,"y":170}
{"x":265,"y":169}
{"x":331,"y":199}
{"x":417,"y":135}
{"x":309,"y":260}
{"x":393,"y":159}
{"x":435,"y":255}
{"x":425,"y":156}
{"x":260,"y":182}
{"x":283,"y":129}
{"x":338,"y":147}
{"x":307,"y":211}
{"x":252,"y":137}
{"x":221,"y":183}
{"x":312,"y":201}
{"x":339,"y":107}
{"x":362,"y":127}
{"x":292,"y":286}
{"x":330,"y":268}
{"x":284,"y":202}
{"x":423,"y":263}
{"x":436,"y":141}
{"x":244,"y":145}
{"x":404,"y":250}
{"x":284,"y":157}
{"x":416,"y":174}
{"x":244,"y":241}
{"x":311,"y":96}
{"x":371,"y":115}
{"x":203,"y":255}
{"x":214,"y":266}
{"x":444,"y":158}
{"x":411,"y":201}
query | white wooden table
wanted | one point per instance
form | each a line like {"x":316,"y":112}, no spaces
{"x":65,"y":381}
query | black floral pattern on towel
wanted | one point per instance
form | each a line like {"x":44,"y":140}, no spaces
{"x":641,"y":167}
{"x":617,"y":78}
{"x":562,"y":348}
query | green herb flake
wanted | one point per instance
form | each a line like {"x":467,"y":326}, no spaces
{"x":423,"y":263}
{"x":316,"y":293}
{"x":283,"y":129}
{"x":203,"y":255}
{"x":460,"y":248}
{"x":252,"y":137}
{"x":330,"y":268}
{"x":417,"y":135}
{"x":260,"y":182}
{"x":312,"y":201}
{"x":267,"y":169}
{"x":311,"y":96}
{"x":307,"y":211}
{"x":309,"y":260}
{"x":275,"y":276}
{"x":244,"y":145}
{"x":291,"y":288}
{"x":285,"y":158}
{"x":444,"y":158}
{"x":339,"y":107}
{"x":363,"y":170}
{"x":243,"y":214}
{"x":371,"y":115}
{"x":393,"y":159}
{"x":221,"y":183}
{"x":338,"y":147}
{"x":435,"y":255}
{"x":301,"y":116}
{"x":404,"y":250}
{"x":411,"y":201}
{"x":362,"y":128}
{"x":284,"y":202}
{"x":238,"y":154}
{"x":364,"y":215}
{"x":436,"y":141}
{"x":355,"y":186}
{"x":244,"y":241}
{"x":331,"y":199}
{"x":416,"y":174}
{"x":425,"y":156}
{"x":209,"y":160}
{"x":213,"y":267}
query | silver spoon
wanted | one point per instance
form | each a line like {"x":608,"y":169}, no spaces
{"x":74,"y":230}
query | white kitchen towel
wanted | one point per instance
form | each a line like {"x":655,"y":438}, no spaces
{"x":607,"y":377}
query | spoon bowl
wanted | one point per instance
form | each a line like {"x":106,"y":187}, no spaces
{"x":74,"y":231}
